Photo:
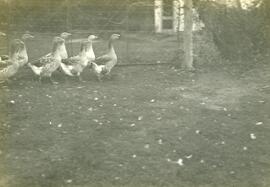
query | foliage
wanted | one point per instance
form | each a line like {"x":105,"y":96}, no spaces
{"x":55,"y":16}
{"x":238,"y":33}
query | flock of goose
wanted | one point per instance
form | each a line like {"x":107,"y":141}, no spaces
{"x":58,"y":59}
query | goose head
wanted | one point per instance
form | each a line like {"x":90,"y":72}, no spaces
{"x":110,"y":43}
{"x":65,"y":35}
{"x":115,"y":36}
{"x":27,"y":36}
{"x":92,"y":37}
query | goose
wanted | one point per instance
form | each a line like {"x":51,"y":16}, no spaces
{"x":53,"y":62}
{"x":24,"y":38}
{"x":75,"y":65}
{"x":16,"y":48}
{"x":109,"y":60}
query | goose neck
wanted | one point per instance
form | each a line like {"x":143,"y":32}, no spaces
{"x":111,"y":47}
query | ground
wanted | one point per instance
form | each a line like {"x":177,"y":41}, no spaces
{"x":144,"y":126}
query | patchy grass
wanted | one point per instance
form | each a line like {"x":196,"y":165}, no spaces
{"x":132,"y":129}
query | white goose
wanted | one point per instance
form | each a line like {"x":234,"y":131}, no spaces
{"x":90,"y":52}
{"x":16,"y":48}
{"x":75,"y":65}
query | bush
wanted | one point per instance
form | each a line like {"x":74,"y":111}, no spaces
{"x":237,"y":33}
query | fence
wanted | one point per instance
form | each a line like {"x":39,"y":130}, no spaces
{"x":134,"y":20}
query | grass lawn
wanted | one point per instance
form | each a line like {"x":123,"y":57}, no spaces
{"x":145,"y":126}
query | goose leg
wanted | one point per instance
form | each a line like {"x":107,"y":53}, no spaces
{"x":80,"y":77}
{"x":108,"y":76}
{"x":99,"y":78}
{"x":40,"y":79}
{"x":52,"y":81}
{"x":66,"y":79}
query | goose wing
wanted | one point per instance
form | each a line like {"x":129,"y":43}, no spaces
{"x":45,"y":59}
{"x":103,"y":59}
{"x":71,"y":60}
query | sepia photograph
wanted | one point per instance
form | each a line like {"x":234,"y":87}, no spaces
{"x":134,"y":93}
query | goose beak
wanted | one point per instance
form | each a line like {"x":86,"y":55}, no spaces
{"x":65,"y":34}
{"x":27,"y":36}
{"x":92,"y":37}
{"x":115,"y":36}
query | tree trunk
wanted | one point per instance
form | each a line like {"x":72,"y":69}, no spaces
{"x":188,"y":43}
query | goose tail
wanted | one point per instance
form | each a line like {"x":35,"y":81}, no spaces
{"x":66,"y":69}
{"x":35,"y":69}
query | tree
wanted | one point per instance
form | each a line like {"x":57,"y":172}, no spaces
{"x":188,"y":35}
